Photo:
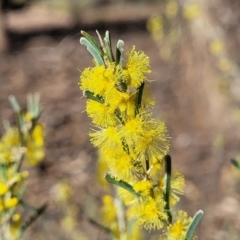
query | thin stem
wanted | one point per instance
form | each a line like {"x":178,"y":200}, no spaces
{"x":33,"y":218}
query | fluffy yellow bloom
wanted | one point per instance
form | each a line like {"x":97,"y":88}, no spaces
{"x":101,"y":114}
{"x":98,"y":79}
{"x":146,"y":135}
{"x":155,"y":141}
{"x":150,"y":213}
{"x":133,"y":131}
{"x":177,"y":230}
{"x":177,"y":187}
{"x":143,"y":187}
{"x":120,"y":165}
{"x":116,"y":99}
{"x":136,"y":68}
{"x":106,"y":138}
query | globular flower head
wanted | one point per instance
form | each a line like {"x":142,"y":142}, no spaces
{"x":137,"y":66}
{"x":177,"y":230}
{"x":143,"y":187}
{"x":150,"y":213}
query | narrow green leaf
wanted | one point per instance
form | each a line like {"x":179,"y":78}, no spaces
{"x":121,"y":184}
{"x":138,"y":101}
{"x":193,"y":225}
{"x":108,"y":43}
{"x":91,"y":40}
{"x":167,"y":186}
{"x":119,"y":52}
{"x":14,"y":103}
{"x":235,"y":163}
{"x":90,"y":95}
{"x":93,"y":50}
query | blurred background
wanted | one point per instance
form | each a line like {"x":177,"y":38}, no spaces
{"x":194,"y":50}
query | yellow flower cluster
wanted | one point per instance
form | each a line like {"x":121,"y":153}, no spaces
{"x":24,"y":142}
{"x":132,"y":143}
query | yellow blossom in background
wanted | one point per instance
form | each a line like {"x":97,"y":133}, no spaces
{"x":11,"y":202}
{"x":16,"y":225}
{"x":192,"y":11}
{"x":102,"y":168}
{"x":236,"y":114}
{"x":35,"y":151}
{"x":17,"y":145}
{"x":68,"y":223}
{"x":3,"y":189}
{"x":109,"y":215}
{"x":171,"y":8}
{"x":224,"y":64}
{"x":134,"y":232}
{"x":216,"y":47}
{"x":11,"y":137}
{"x":108,"y":210}
{"x":177,"y":230}
{"x":9,"y":146}
{"x":61,"y":192}
{"x":155,"y":27}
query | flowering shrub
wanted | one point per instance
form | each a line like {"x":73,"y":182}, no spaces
{"x":133,"y":146}
{"x":24,"y":143}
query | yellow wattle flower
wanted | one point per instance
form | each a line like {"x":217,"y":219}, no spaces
{"x":177,"y":230}
{"x":143,"y":187}
{"x":101,"y":114}
{"x":137,"y":66}
{"x":150,"y":213}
